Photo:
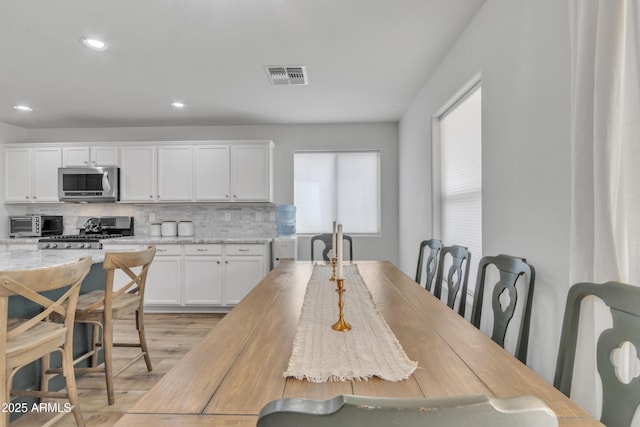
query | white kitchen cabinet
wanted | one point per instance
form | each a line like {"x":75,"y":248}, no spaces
{"x":203,"y":274}
{"x":251,"y":173}
{"x":90,"y":156}
{"x":175,"y":173}
{"x":211,"y":173}
{"x":138,"y":174}
{"x":245,"y":266}
{"x":31,"y":174}
{"x":203,"y":277}
{"x":164,"y":279}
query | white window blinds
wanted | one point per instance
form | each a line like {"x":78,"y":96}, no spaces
{"x":342,"y":186}
{"x":460,"y":201}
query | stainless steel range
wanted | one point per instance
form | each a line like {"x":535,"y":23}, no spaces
{"x":91,"y":232}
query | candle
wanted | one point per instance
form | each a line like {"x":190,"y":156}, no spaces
{"x":333,"y":241}
{"x":339,"y":249}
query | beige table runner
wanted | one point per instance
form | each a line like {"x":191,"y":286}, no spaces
{"x":369,"y":349}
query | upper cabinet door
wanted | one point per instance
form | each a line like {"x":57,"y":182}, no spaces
{"x":46,"y":162}
{"x":175,"y":173}
{"x":17,"y":175}
{"x":75,"y":156}
{"x":31,"y":174}
{"x":138,"y":174}
{"x":251,"y":172}
{"x":104,"y":156}
{"x":211,"y":175}
{"x":90,"y":156}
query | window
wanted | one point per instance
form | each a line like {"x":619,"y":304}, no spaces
{"x":341,"y":186}
{"x":458,"y":201}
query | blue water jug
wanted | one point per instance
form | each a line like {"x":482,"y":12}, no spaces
{"x":285,"y":220}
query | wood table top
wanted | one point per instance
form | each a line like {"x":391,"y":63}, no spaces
{"x":237,"y":368}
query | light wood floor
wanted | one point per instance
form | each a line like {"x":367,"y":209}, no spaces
{"x":169,"y":336}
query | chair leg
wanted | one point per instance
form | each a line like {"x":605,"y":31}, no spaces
{"x":107,"y":345}
{"x":70,"y":382}
{"x":143,"y":340}
{"x":5,"y":396}
{"x":44,"y":367}
{"x":94,"y":344}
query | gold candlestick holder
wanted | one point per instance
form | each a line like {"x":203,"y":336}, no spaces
{"x":334,"y":260}
{"x":341,"y":325}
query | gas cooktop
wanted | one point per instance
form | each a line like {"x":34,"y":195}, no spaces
{"x":91,"y":232}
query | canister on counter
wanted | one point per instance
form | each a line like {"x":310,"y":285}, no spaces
{"x":185,"y":228}
{"x":155,"y":230}
{"x":169,"y":228}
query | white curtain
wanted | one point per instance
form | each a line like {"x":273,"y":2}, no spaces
{"x":605,"y":133}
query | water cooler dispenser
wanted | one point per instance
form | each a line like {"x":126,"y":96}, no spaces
{"x":285,"y":245}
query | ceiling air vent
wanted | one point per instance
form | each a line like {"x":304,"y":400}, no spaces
{"x":287,"y":75}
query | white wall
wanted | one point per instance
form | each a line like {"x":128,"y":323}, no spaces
{"x":521,"y":49}
{"x":287,"y":138}
{"x":8,"y":134}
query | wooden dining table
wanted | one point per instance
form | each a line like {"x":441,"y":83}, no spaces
{"x":238,"y":367}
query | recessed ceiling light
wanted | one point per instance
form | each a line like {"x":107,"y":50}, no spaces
{"x":22,"y":108}
{"x":94,"y":44}
{"x":177,"y":105}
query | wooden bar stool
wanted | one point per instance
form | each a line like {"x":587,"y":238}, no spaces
{"x":102,"y":308}
{"x":23,"y":341}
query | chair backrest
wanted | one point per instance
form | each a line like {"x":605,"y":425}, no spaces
{"x":358,"y":411}
{"x":126,"y":262}
{"x":457,"y":275}
{"x":327,"y":239}
{"x":510,"y":269}
{"x":434,"y":246}
{"x":619,"y":399}
{"x":30,"y":284}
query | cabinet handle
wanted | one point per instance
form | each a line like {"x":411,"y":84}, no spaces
{"x":26,"y":197}
{"x":226,"y":262}
{"x":86,"y":163}
{"x":161,"y":250}
{"x":203,"y":250}
{"x":243,"y":250}
{"x":35,"y":197}
{"x":218,"y":262}
{"x":151,"y":196}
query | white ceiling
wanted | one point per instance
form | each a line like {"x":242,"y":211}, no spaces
{"x":366,"y":59}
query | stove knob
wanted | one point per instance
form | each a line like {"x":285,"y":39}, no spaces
{"x":67,"y":245}
{"x":53,"y":245}
{"x":46,"y":245}
{"x":82,"y":245}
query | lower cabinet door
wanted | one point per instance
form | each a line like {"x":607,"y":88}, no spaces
{"x":202,"y":280}
{"x":242,"y":274}
{"x":163,"y":281}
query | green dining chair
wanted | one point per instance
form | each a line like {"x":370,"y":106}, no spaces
{"x":620,"y":395}
{"x":360,"y":411}
{"x":434,"y":246}
{"x":457,"y":258}
{"x":327,"y":239}
{"x":510,"y":269}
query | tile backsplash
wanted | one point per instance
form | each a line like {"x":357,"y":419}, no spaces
{"x":217,"y":220}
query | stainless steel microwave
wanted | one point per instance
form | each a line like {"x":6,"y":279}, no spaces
{"x":35,"y":225}
{"x":88,"y":184}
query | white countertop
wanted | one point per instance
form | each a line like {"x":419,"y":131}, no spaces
{"x":151,"y":240}
{"x":25,"y":259}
